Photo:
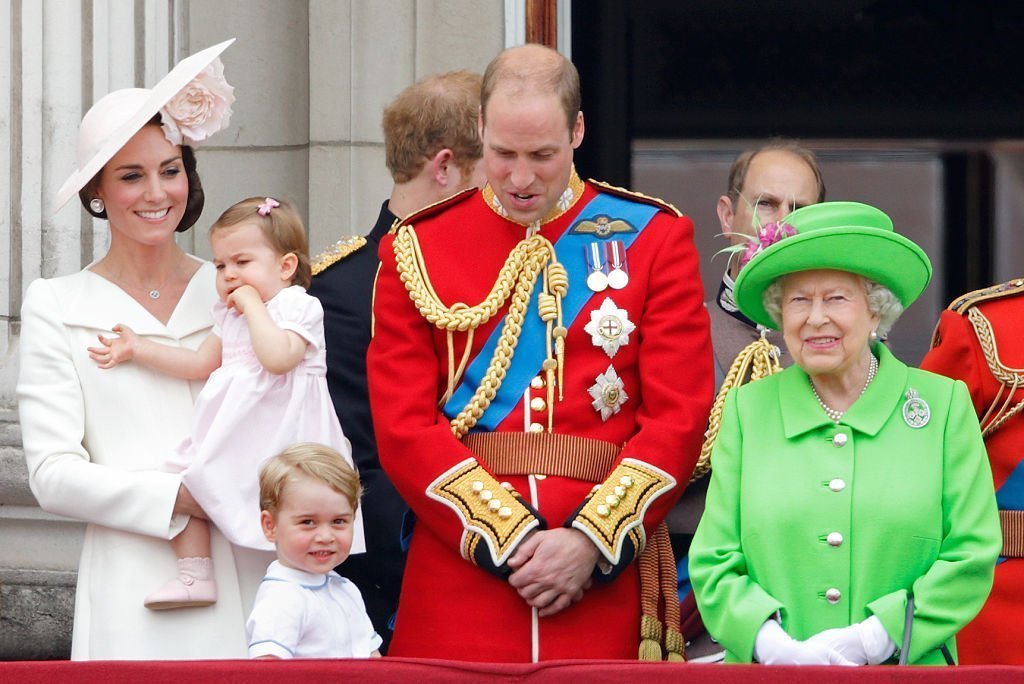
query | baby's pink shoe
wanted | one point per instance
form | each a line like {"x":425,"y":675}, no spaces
{"x":194,"y":587}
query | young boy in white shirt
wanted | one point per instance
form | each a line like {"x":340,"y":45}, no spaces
{"x":303,"y":609}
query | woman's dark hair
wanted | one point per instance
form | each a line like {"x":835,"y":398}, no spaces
{"x":196,"y":196}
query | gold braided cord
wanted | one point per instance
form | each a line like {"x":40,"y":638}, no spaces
{"x":532,"y":258}
{"x":1009,"y":378}
{"x":757,"y":360}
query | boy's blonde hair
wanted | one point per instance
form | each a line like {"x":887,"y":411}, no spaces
{"x":317,"y":461}
{"x":281,"y":227}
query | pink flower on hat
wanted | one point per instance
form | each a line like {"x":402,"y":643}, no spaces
{"x":200,"y":109}
{"x":766,"y":236}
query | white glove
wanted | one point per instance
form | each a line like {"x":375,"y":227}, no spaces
{"x":864,"y":643}
{"x":773,"y":646}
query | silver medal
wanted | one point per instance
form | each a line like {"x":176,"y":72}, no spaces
{"x":608,"y":394}
{"x":609,"y":327}
{"x":916,"y":412}
{"x":597,"y":281}
{"x":597,"y":278}
{"x":618,"y":272}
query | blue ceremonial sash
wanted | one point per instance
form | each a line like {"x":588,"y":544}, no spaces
{"x":531,"y":350}
{"x":1010,"y":496}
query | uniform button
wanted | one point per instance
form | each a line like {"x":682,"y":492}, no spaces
{"x":486,"y":495}
{"x":536,"y":427}
{"x":603,"y":511}
{"x":836,"y":484}
{"x":539,"y":476}
{"x":835,"y":539}
{"x":840,"y":439}
{"x":494,"y":504}
{"x":538,"y":404}
{"x":537,"y":382}
{"x":833,"y":595}
{"x":504,"y":512}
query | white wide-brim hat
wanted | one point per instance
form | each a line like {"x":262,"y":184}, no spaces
{"x":117,"y":116}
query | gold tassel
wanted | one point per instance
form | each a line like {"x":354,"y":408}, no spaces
{"x":675,"y":645}
{"x":758,"y":359}
{"x":650,"y":638}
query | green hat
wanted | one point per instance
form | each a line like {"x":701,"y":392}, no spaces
{"x":841,"y":236}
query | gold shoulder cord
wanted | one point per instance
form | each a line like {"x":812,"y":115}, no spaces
{"x":1009,"y":378}
{"x":533,"y":258}
{"x":758,"y":359}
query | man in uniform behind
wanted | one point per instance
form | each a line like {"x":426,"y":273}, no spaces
{"x":765,"y":184}
{"x":978,"y":340}
{"x":432,"y":151}
{"x":540,"y":376}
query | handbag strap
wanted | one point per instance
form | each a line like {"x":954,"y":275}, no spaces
{"x":908,"y":627}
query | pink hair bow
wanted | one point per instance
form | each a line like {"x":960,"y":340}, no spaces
{"x":268,"y":204}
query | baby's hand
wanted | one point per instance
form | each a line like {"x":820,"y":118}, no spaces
{"x":115,"y":350}
{"x":243,"y":297}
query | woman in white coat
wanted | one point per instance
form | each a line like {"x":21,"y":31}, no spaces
{"x":96,"y":440}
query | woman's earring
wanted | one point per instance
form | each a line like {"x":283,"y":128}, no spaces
{"x":97,"y":206}
{"x":874,"y":335}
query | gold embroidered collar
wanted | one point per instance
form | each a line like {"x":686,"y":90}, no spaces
{"x":573,"y":193}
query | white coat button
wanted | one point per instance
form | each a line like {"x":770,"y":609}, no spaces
{"x":536,"y":427}
{"x":537,"y":382}
{"x":833,"y":595}
{"x":840,"y":439}
{"x":836,"y":484}
{"x":835,"y":539}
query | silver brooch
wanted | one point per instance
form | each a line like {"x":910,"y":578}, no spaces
{"x":916,"y":412}
{"x":609,"y":327}
{"x":608,"y":394}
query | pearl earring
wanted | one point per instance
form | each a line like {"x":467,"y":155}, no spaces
{"x":97,"y":206}
{"x":874,"y":335}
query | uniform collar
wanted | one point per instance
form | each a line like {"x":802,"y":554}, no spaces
{"x":727,"y":303}
{"x":90,"y":306}
{"x":279,"y":571}
{"x":801,"y":412}
{"x":570,"y":196}
{"x":384,"y":222}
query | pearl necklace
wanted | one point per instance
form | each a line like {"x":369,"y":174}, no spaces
{"x":834,"y":415}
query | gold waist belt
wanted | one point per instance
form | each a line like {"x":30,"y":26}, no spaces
{"x":526,"y":453}
{"x":1013,"y":533}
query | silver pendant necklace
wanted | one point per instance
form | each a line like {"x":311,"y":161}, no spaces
{"x":835,"y":415}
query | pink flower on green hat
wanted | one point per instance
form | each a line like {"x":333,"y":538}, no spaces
{"x":766,"y":236}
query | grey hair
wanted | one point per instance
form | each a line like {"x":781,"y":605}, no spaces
{"x":881,"y":302}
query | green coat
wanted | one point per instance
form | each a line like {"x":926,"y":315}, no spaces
{"x":914,"y":510}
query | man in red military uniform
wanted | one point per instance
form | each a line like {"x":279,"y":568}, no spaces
{"x":540,"y":376}
{"x":979,"y":340}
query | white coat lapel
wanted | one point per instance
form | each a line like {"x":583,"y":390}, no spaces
{"x":92,"y":301}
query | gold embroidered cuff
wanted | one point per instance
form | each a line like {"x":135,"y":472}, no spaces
{"x":613,"y":515}
{"x":487,"y":511}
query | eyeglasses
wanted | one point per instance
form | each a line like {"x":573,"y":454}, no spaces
{"x":769,"y":208}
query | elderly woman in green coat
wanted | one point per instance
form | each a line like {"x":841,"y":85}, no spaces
{"x":850,"y":516}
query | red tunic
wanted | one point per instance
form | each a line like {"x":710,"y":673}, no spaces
{"x":996,"y":635}
{"x":454,"y":608}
